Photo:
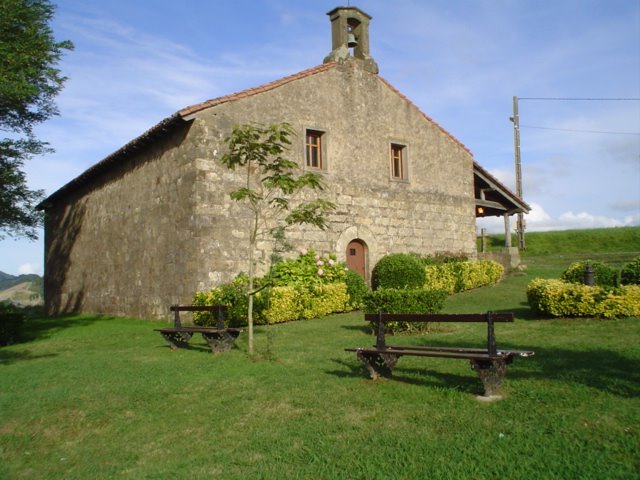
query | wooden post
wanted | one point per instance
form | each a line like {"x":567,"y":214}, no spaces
{"x":507,"y":230}
{"x":492,"y":349}
{"x":516,"y":143}
{"x":380,"y":342}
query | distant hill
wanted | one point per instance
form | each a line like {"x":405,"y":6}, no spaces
{"x":8,"y":281}
{"x":21,"y":289}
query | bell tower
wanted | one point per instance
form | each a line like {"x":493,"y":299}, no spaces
{"x":350,"y":36}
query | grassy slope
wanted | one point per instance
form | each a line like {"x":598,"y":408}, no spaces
{"x":92,"y":397}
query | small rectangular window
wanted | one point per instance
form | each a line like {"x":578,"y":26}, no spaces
{"x":314,"y":149}
{"x":398,"y":162}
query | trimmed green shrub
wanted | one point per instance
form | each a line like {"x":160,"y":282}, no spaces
{"x":442,"y":276}
{"x":356,"y":289}
{"x":288,"y":303}
{"x":630,"y":273}
{"x":398,"y":270}
{"x":460,"y":276}
{"x":477,"y":274}
{"x":605,"y":276}
{"x":562,"y":299}
{"x":391,"y":300}
{"x":11,"y":324}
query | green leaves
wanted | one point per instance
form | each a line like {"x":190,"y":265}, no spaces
{"x":271,"y":179}
{"x":29,"y":83}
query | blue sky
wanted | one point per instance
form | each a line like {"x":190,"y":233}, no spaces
{"x":460,"y":61}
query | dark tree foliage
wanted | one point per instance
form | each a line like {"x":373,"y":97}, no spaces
{"x":29,"y":83}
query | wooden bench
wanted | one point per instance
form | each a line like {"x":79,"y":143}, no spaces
{"x":219,"y":338}
{"x":490,"y":362}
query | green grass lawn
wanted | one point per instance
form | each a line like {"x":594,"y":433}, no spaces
{"x":90,"y":397}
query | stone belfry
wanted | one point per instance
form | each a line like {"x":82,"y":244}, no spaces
{"x":350,"y":37}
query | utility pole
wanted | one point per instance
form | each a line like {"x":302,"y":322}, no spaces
{"x":516,"y":143}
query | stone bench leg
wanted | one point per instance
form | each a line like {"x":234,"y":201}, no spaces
{"x":220,"y":341}
{"x":378,"y":364}
{"x":491,"y":373}
{"x":177,"y":339}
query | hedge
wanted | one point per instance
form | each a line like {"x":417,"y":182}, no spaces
{"x":456,"y":277}
{"x":398,"y":270}
{"x":562,"y":299}
{"x":276,"y":304}
{"x":391,"y":300}
{"x":604,"y":275}
{"x":297,"y":303}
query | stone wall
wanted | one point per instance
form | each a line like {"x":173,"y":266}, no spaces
{"x":431,"y":212}
{"x":123,"y":245}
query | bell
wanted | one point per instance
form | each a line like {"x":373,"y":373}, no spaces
{"x":351,"y":41}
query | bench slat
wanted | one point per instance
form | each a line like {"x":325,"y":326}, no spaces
{"x":197,"y":308}
{"x":438,"y":317}
{"x":515,"y":353}
{"x":427,"y":353}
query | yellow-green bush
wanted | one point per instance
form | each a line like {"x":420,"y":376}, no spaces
{"x":460,"y":276}
{"x":562,"y":299}
{"x":285,"y":304}
{"x":296,"y":303}
{"x":441,"y":277}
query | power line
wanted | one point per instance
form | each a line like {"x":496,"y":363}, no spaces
{"x":593,"y":99}
{"x":579,"y":131}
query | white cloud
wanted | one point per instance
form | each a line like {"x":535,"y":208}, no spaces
{"x":539,"y":220}
{"x":30,"y":268}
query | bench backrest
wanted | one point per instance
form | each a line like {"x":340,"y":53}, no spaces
{"x":490,"y":318}
{"x":218,"y":310}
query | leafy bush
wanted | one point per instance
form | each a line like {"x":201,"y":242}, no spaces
{"x":310,"y":268}
{"x":442,"y":276}
{"x":289,"y":303}
{"x":11,"y":324}
{"x":234,"y":296}
{"x":392,"y":300}
{"x":444,"y":257}
{"x":356,"y":289}
{"x":605,"y":276}
{"x":477,"y":274}
{"x":562,"y":299}
{"x":630,"y":273}
{"x":459,"y":276}
{"x":398,"y":270}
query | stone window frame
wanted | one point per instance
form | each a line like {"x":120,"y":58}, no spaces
{"x":322,"y":135}
{"x":403,"y":149}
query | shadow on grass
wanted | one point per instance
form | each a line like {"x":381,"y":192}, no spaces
{"x":39,"y":328}
{"x":604,"y":370}
{"x":8,"y":357}
{"x":364,"y":328}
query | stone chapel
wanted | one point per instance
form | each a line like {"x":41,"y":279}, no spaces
{"x":153,"y":222}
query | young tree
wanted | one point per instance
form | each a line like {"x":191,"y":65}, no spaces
{"x":271,"y":184}
{"x":29,"y":82}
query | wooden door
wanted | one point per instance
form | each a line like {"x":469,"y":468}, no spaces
{"x":356,"y":257}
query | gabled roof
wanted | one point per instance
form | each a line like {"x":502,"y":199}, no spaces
{"x":186,"y":115}
{"x":493,"y":197}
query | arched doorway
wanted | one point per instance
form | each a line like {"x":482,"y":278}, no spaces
{"x":357,"y":257}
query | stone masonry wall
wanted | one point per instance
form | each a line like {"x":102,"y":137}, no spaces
{"x":432,"y":212}
{"x":124,"y":245}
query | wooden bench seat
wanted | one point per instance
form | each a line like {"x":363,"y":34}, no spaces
{"x":490,"y":363}
{"x":219,"y":338}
